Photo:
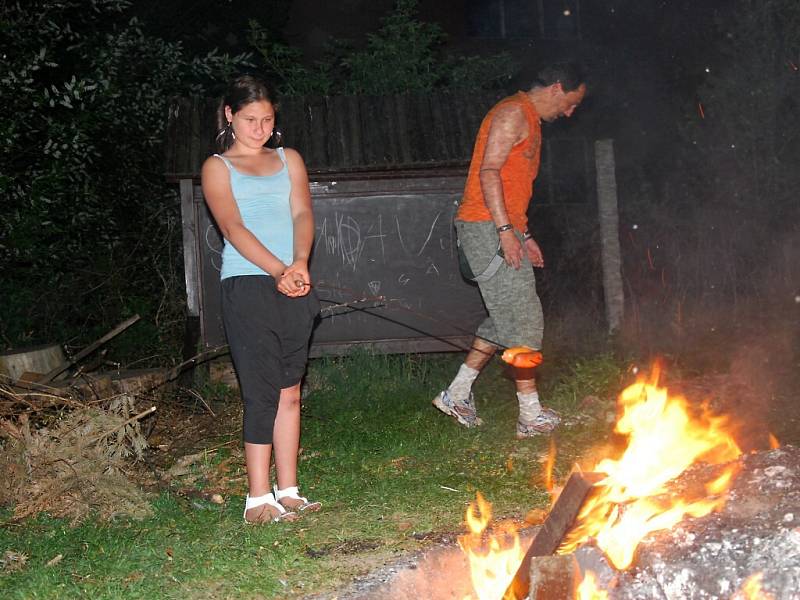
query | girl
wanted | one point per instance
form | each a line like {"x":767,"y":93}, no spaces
{"x":260,"y":199}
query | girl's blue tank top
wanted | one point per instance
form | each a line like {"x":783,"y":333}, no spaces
{"x":263,"y":202}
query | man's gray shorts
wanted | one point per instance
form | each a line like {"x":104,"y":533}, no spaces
{"x":515,"y":311}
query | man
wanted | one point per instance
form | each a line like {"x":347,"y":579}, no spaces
{"x":492,"y":218}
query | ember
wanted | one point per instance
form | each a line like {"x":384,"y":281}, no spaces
{"x":588,"y":590}
{"x":751,"y":590}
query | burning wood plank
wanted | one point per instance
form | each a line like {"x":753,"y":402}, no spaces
{"x":555,"y":526}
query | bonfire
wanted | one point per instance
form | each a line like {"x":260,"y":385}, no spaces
{"x":633,"y":498}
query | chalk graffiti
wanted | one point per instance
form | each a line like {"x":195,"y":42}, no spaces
{"x":374,"y":287}
{"x":346,"y":239}
{"x":427,"y":239}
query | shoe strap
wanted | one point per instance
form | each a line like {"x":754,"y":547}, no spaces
{"x":290,"y":492}
{"x":261,"y":500}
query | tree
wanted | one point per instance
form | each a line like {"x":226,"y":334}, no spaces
{"x":404,"y":55}
{"x":84,"y":234}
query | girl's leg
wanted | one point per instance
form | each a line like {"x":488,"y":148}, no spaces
{"x":286,"y":437}
{"x":256,"y":458}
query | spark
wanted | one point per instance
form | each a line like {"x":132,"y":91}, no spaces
{"x":702,"y":112}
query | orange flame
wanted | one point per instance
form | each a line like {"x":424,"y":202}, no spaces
{"x":773,"y":442}
{"x":751,"y":589}
{"x":663,"y":441}
{"x":548,"y":472}
{"x":588,"y":589}
{"x":494,"y":559}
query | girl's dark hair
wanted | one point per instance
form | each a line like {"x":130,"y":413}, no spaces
{"x":242,"y":91}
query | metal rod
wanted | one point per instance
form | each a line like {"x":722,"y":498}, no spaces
{"x":500,"y":347}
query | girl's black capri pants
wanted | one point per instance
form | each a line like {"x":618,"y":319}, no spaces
{"x":268,"y":334}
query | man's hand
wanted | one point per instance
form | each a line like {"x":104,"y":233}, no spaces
{"x":534,"y":252}
{"x":512,"y":249}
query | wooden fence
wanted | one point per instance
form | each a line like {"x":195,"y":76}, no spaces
{"x":347,"y":133}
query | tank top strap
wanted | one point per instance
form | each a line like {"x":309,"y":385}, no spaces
{"x":281,"y":154}
{"x":226,"y":161}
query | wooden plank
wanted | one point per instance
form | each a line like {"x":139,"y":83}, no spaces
{"x":423,"y":147}
{"x":391,"y":131}
{"x":337,"y":141}
{"x":405,"y":131}
{"x":355,"y":133}
{"x":555,"y":526}
{"x":316,"y":117}
{"x":440,"y":125}
{"x":89,"y":349}
{"x":553,"y":577}
{"x":370,"y":123}
{"x":291,"y":122}
{"x":29,"y":363}
{"x":190,"y":250}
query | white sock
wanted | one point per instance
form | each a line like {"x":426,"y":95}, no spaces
{"x":529,"y":406}
{"x":462,"y":385}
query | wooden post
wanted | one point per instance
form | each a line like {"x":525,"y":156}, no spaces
{"x":608,"y":215}
{"x":190,"y":264}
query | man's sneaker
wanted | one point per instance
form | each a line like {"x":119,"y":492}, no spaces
{"x":545,"y":422}
{"x":462,"y":411}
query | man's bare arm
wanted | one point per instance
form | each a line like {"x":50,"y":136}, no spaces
{"x":508,"y":128}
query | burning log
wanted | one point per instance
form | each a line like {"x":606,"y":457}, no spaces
{"x":582,"y":575}
{"x":553,"y":530}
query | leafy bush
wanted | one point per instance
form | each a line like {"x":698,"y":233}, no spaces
{"x":404,"y":55}
{"x":90,"y":228}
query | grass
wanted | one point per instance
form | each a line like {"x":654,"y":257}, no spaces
{"x":392,"y":472}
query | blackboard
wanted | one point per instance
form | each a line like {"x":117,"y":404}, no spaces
{"x":387,"y":241}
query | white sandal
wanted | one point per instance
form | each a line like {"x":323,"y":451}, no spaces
{"x":294,"y":494}
{"x":268,"y":499}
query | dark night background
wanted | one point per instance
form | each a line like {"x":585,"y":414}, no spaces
{"x":700,"y":99}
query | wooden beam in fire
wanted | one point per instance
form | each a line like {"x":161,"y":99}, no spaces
{"x":558,"y":522}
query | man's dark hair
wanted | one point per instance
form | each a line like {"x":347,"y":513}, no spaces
{"x":568,"y":74}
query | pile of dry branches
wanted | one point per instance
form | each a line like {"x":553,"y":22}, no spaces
{"x":69,"y":457}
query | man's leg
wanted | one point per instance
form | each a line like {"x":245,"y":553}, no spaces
{"x":517,"y":320}
{"x":457,"y":400}
{"x":479,"y":355}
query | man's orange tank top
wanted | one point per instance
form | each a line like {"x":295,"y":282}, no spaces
{"x":517,"y":174}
